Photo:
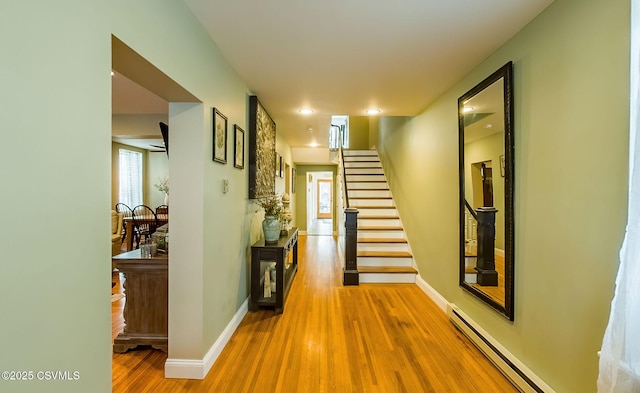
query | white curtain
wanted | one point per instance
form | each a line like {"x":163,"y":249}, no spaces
{"x":620,"y":353}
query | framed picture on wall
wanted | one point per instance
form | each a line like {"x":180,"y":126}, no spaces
{"x":219,"y":137}
{"x":278,"y":163}
{"x":281,"y":166}
{"x":238,"y":150}
{"x":261,"y":150}
{"x":502,"y":165}
{"x":293,"y":180}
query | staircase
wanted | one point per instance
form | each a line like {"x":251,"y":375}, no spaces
{"x":383,"y":255}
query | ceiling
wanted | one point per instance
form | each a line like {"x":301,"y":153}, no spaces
{"x":343,"y":57}
{"x":129,"y":98}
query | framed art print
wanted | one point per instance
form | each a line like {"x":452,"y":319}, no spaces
{"x":281,"y":174}
{"x":238,"y":150}
{"x":294,"y":173}
{"x":261,"y":150}
{"x":219,"y":137}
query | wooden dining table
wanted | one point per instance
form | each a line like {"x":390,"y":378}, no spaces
{"x":128,"y":223}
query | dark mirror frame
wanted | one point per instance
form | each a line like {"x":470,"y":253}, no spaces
{"x":505,"y":72}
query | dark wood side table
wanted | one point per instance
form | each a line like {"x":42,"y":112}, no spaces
{"x":284,"y":253}
{"x":146,"y":306}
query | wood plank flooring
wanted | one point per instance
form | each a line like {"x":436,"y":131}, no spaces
{"x":330,"y":338}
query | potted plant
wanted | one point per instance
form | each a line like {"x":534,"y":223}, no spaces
{"x":272,"y":206}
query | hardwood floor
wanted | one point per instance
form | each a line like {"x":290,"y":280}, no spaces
{"x":330,"y":338}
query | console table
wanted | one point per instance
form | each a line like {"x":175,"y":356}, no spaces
{"x":146,"y":306}
{"x":284,"y":253}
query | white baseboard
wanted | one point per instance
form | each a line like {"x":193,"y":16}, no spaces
{"x":432,"y":293}
{"x":198,"y":368}
{"x":520,"y":375}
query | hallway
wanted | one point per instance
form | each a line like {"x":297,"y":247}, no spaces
{"x":331,"y":338}
{"x":320,"y":227}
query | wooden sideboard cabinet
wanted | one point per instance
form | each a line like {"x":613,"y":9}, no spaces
{"x":284,"y":253}
{"x":146,"y":306}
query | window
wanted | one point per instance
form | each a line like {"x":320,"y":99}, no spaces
{"x":130,"y":177}
{"x":339,"y":132}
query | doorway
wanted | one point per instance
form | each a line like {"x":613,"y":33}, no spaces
{"x":320,"y":203}
{"x":482,"y":184}
{"x":177,"y":107}
{"x":325,"y":199}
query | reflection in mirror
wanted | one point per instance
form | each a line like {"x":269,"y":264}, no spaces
{"x":486,"y":190}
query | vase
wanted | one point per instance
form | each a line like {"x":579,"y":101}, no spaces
{"x":271,"y":229}
{"x":166,"y":199}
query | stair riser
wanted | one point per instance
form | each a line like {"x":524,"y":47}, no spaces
{"x":378,"y":261}
{"x":470,"y":261}
{"x":361,"y":159}
{"x":370,"y":202}
{"x":364,"y":171}
{"x":377,"y":212}
{"x":362,"y":165}
{"x":351,"y":153}
{"x":383,"y":247}
{"x":387,"y":278}
{"x":366,"y":178}
{"x":367,"y":186}
{"x":381,"y":222}
{"x":367,"y":234}
{"x":470,"y":278}
{"x":369,"y":193}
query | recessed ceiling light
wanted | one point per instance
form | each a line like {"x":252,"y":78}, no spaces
{"x":305,"y":111}
{"x":372,"y":111}
{"x":309,"y":128}
{"x":467,"y":109}
{"x":489,"y":125}
{"x":313,"y":144}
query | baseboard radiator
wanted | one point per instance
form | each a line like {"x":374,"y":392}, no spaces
{"x":521,"y":377}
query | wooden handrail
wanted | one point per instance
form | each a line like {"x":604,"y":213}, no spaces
{"x":473,"y":213}
{"x":344,"y":179}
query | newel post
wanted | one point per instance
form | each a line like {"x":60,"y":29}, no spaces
{"x":351,"y":247}
{"x":486,"y":266}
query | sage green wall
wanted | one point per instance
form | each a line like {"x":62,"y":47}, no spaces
{"x":358,"y":132}
{"x":374,"y":131}
{"x":301,"y":192}
{"x":571,"y":137}
{"x":158,"y":167}
{"x":56,"y":94}
{"x":55,"y":254}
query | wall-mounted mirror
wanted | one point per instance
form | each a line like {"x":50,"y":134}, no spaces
{"x":485,"y":118}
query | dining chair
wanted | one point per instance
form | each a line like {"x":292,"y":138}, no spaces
{"x":126,"y":213}
{"x":162,"y":215}
{"x":144,"y":220}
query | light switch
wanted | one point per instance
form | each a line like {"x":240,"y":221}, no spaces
{"x":225,"y":186}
